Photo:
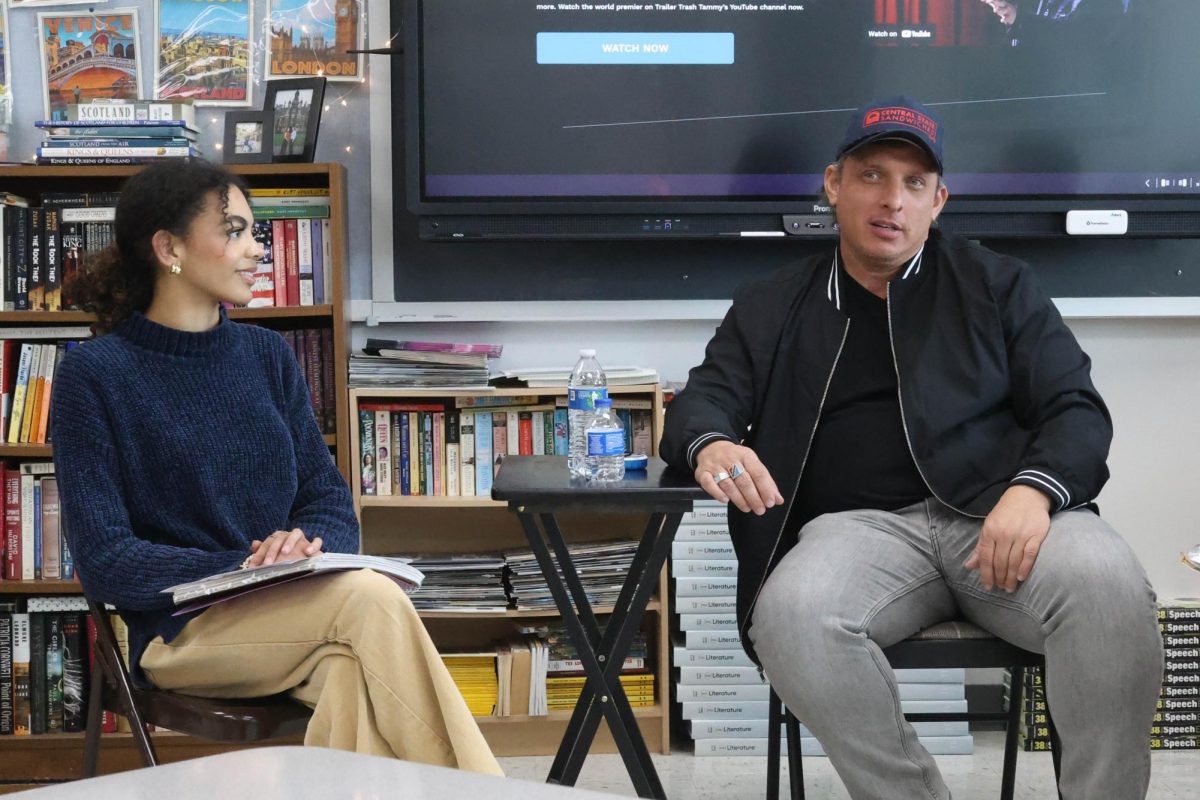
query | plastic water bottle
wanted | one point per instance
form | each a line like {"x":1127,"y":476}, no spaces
{"x":605,"y":444}
{"x":586,"y":385}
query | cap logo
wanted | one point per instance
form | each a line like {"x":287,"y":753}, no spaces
{"x":897,"y":115}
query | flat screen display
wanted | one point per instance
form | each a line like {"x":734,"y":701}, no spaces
{"x":523,"y":103}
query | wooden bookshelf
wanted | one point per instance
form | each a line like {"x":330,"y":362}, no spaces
{"x":53,"y":757}
{"x":398,"y":524}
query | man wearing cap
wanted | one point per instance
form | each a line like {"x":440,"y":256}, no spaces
{"x":909,"y":434}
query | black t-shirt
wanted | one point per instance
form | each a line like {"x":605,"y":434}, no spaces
{"x":860,"y":457}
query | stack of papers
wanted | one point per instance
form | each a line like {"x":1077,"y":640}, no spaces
{"x":368,"y":370}
{"x":548,"y":377}
{"x":461,"y":582}
{"x":602,"y":567}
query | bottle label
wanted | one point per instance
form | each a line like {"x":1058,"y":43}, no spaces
{"x":606,"y":443}
{"x":584,"y":399}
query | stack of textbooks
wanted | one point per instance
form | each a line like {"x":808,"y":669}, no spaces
{"x":387,"y":362}
{"x":475,"y":676}
{"x":724,"y":699}
{"x":116,"y":132}
{"x":602,"y":568}
{"x":1177,"y":717}
{"x":565,"y":676}
{"x":461,"y":582}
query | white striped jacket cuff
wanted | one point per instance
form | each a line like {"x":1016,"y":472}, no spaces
{"x":700,"y":441}
{"x":1047,"y":483}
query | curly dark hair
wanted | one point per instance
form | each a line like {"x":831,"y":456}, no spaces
{"x":168,"y":196}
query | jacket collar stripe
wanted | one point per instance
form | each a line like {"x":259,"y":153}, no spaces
{"x":833,"y":289}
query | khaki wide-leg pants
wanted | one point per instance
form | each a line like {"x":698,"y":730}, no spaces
{"x":348,"y":645}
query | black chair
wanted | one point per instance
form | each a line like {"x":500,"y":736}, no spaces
{"x":946,"y":645}
{"x":235,"y":721}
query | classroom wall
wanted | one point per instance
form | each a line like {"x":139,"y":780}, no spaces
{"x":1147,"y":369}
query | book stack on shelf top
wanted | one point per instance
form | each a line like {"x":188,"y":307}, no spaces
{"x":388,"y":362}
{"x":116,"y":132}
{"x":1176,"y":723}
{"x":547,"y":377}
{"x":602,"y":567}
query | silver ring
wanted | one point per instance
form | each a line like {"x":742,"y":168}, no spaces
{"x":736,"y":471}
{"x":721,"y":476}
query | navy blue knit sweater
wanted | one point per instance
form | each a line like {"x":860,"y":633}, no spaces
{"x":174,"y":450}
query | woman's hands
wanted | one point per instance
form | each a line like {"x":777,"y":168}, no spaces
{"x":282,"y":546}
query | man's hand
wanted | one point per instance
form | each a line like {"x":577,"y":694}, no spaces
{"x":1006,"y":10}
{"x":282,"y":546}
{"x":1011,"y":537}
{"x":752,"y":489}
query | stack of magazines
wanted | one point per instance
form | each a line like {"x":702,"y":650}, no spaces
{"x":461,"y":582}
{"x":602,"y":567}
{"x":227,"y":585}
{"x":388,"y":362}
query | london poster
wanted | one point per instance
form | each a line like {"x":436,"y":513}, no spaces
{"x":311,"y":37}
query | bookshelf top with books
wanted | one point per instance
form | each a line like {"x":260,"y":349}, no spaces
{"x":366,"y":391}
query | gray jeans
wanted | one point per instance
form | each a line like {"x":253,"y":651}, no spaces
{"x":859,"y":581}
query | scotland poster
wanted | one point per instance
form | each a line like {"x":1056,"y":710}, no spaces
{"x":89,"y":56}
{"x":204,"y":51}
{"x":311,"y":37}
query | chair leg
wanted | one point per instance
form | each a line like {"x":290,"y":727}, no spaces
{"x":91,"y":737}
{"x":795,"y":767}
{"x":774,"y":722}
{"x":1016,"y":692}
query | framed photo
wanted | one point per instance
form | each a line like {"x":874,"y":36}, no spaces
{"x":310,"y":38}
{"x":295,"y":108}
{"x":247,"y":137}
{"x":87,"y":56}
{"x":203,"y":50}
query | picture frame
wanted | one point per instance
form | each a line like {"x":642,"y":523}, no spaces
{"x":295,"y":107}
{"x":69,"y":40}
{"x":247,"y":137}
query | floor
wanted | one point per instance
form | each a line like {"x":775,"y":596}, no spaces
{"x":975,"y":777}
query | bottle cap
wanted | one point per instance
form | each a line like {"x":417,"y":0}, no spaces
{"x":636,"y":461}
{"x":588,"y":352}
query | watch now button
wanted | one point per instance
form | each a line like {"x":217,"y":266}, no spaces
{"x":634,"y":48}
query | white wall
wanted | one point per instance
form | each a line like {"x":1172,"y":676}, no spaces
{"x":1148,"y":371}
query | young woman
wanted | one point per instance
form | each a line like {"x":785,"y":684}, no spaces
{"x":185,"y":445}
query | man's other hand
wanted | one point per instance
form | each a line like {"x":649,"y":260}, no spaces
{"x":1011,"y":537}
{"x":748,"y":486}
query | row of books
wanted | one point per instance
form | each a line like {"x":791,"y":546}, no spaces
{"x":116,"y":133}
{"x":293,"y":226}
{"x":27,"y":378}
{"x":535,"y":673}
{"x":34,"y":544}
{"x":44,"y":666}
{"x":723,"y":697}
{"x":429,"y":449}
{"x":314,"y":350}
{"x":41,"y":246}
{"x":1177,"y":717}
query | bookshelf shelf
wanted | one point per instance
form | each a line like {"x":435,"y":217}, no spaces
{"x":59,"y":756}
{"x":411,"y":525}
{"x":402,"y":501}
{"x":653,"y":605}
{"x":40,"y":587}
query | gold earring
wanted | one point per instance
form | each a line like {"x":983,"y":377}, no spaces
{"x":176,"y":269}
